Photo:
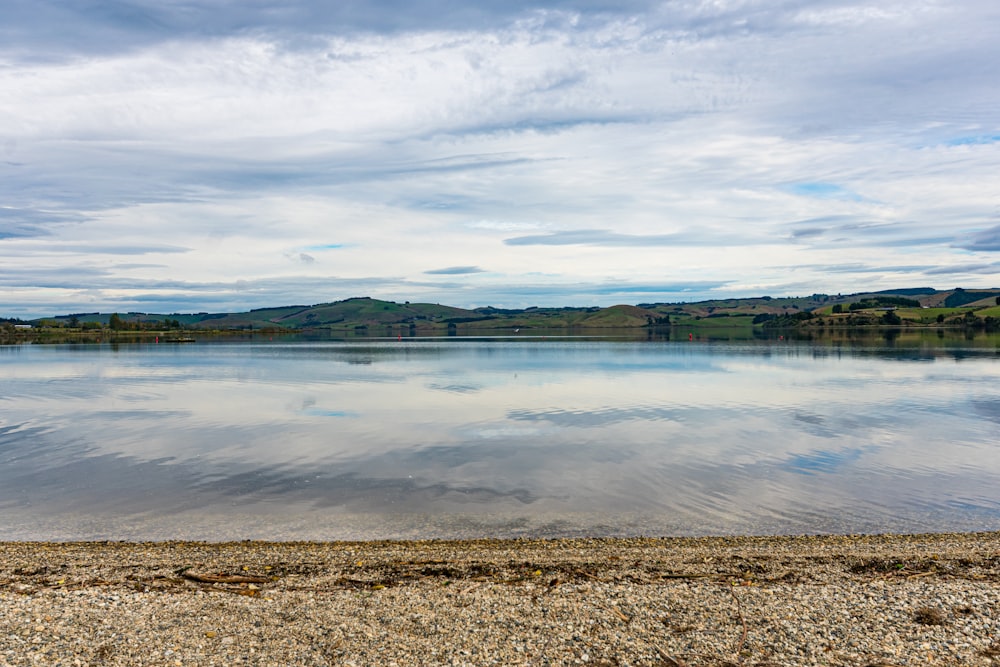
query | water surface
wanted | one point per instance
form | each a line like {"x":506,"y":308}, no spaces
{"x":272,"y":439}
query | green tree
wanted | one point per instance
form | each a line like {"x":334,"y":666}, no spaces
{"x":115,"y":322}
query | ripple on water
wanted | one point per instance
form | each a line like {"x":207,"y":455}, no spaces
{"x":439,"y":439}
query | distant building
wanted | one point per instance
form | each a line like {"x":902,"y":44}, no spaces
{"x":22,"y":326}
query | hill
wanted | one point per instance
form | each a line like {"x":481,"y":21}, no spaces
{"x":922,"y":306}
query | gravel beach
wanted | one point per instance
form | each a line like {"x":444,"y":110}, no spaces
{"x":830,"y":600}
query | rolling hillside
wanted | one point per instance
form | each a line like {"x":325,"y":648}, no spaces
{"x":922,"y":306}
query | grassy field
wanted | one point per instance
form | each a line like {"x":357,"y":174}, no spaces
{"x":381,"y":317}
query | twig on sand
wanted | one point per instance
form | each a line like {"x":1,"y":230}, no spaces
{"x":222,"y":578}
{"x":670,"y":661}
{"x":743,"y":621}
{"x":620,"y":614}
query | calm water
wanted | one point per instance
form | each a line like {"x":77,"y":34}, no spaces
{"x":461,"y":437}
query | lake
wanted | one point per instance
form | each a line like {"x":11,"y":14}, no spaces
{"x":468,"y":437}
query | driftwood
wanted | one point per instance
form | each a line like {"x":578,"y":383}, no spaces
{"x":222,"y":578}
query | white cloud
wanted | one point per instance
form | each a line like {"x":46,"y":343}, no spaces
{"x":696,"y":141}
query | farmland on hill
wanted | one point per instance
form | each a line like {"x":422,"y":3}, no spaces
{"x":910,"y":307}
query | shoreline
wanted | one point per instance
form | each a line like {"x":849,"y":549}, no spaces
{"x":787,"y":600}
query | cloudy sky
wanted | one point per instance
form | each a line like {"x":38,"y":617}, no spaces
{"x":189,"y":155}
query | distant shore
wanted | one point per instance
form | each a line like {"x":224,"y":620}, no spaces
{"x":920,"y":307}
{"x":826,"y":600}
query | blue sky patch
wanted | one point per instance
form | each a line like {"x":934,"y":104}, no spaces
{"x":822,"y":191}
{"x":324,"y":246}
{"x":974,"y":140}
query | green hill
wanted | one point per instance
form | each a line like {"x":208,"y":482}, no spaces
{"x":921,"y":306}
{"x":619,"y":317}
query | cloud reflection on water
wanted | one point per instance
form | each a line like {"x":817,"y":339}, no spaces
{"x":691,"y":438}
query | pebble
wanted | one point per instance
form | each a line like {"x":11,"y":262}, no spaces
{"x":833,"y":600}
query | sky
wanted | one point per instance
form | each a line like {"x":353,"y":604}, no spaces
{"x":173,"y":156}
